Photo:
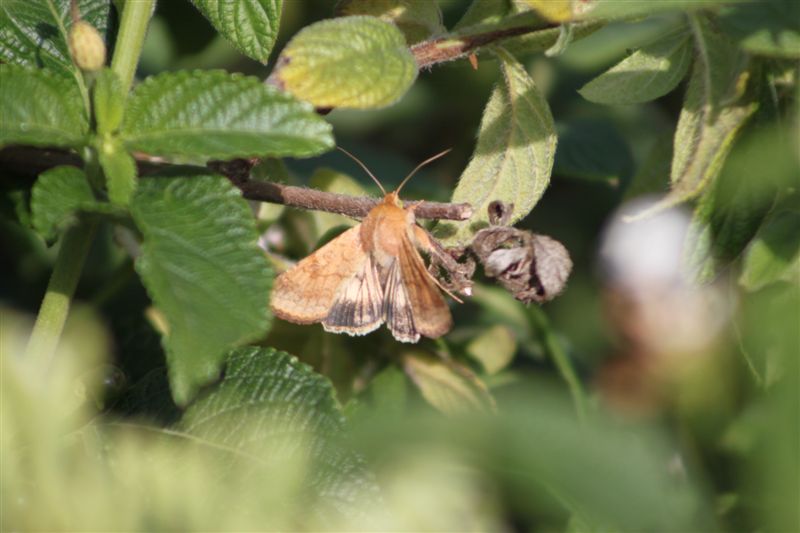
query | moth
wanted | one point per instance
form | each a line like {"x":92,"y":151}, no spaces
{"x":369,"y":275}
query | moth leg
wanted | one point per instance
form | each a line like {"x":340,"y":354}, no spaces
{"x":426,"y":243}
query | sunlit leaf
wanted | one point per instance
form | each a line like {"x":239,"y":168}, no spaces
{"x":645,"y":75}
{"x":513,"y":159}
{"x":716,"y":106}
{"x":558,"y":10}
{"x":357,"y":62}
{"x":251,"y":25}
{"x":774,"y":254}
{"x":204,"y":270}
{"x":213,"y":114}
{"x":417,"y":20}
{"x":40,"y":108}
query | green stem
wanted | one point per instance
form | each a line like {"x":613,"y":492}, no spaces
{"x":561,"y":360}
{"x":55,"y":305}
{"x":132,"y":30}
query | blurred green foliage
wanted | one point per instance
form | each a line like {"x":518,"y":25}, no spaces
{"x":559,"y":418}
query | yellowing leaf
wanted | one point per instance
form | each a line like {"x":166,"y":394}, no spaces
{"x":494,"y":348}
{"x":448,"y":386}
{"x":357,"y":62}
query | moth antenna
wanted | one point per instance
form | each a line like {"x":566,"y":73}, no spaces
{"x":429,"y":160}
{"x":362,"y":165}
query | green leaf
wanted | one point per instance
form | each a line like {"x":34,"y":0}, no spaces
{"x":217,"y":115}
{"x":731,"y":210}
{"x":40,"y":108}
{"x":514,"y":156}
{"x":251,"y":25}
{"x":447,"y":385}
{"x":203,"y":269}
{"x":614,"y":9}
{"x":725,"y":219}
{"x":716,"y":106}
{"x":271,"y":402}
{"x":120,"y":171}
{"x":645,"y":75}
{"x":56,"y":197}
{"x":417,"y":20}
{"x":356,"y":62}
{"x":108,"y":98}
{"x":768,"y":27}
{"x":494,"y":348}
{"x":774,"y":255}
{"x":482,"y":12}
{"x":33,"y":33}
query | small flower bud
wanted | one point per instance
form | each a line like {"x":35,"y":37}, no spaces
{"x":86,"y":46}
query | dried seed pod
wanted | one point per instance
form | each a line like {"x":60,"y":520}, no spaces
{"x":533,"y":267}
{"x":86,"y":46}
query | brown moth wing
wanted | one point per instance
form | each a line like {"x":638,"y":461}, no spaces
{"x":358,"y":306}
{"x":305,"y":293}
{"x":399,"y":316}
{"x":431,"y":315}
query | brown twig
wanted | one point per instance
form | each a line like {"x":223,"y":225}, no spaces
{"x":238,"y":171}
{"x":352,"y":206}
{"x":30,"y":162}
{"x":428,"y":53}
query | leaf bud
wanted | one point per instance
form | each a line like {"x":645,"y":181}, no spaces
{"x":86,"y":46}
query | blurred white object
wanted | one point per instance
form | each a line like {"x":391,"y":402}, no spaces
{"x":651,"y":299}
{"x":646,"y":251}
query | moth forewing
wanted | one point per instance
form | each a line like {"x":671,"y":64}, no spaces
{"x":399,"y":315}
{"x":305,"y":293}
{"x":430,"y":312}
{"x":357,"y":308}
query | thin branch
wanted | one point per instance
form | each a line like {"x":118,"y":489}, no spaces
{"x":30,"y":162}
{"x":428,"y":53}
{"x":238,"y":171}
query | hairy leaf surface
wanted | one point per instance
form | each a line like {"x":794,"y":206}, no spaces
{"x":218,"y":115}
{"x":40,"y":108}
{"x":56,"y":196}
{"x":357,"y":62}
{"x":120,"y":170}
{"x":203,"y":269}
{"x":513,"y":159}
{"x":645,"y":75}
{"x":271,"y":403}
{"x":251,"y":25}
{"x":716,"y":106}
